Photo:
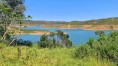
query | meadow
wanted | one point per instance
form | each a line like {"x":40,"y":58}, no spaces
{"x":35,"y":56}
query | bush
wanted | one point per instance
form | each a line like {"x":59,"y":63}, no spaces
{"x":106,"y":47}
{"x":44,"y":42}
{"x":82,"y":51}
{"x":21,"y":42}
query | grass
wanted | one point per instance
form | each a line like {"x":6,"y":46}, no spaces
{"x":34,"y":56}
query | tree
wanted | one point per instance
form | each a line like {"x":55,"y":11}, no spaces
{"x":12,"y":10}
{"x":11,"y":13}
{"x":64,"y":39}
{"x":44,"y":42}
{"x":49,"y":41}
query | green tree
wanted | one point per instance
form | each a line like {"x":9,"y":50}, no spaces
{"x":11,"y":13}
{"x":63,"y":39}
{"x":49,"y":41}
{"x":44,"y":41}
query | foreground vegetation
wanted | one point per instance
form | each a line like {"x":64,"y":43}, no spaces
{"x":101,"y":52}
{"x":105,"y":47}
{"x":35,"y":56}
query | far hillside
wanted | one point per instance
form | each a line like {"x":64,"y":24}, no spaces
{"x":99,"y":24}
{"x":105,"y":21}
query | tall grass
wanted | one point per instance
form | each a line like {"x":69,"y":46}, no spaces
{"x":34,"y":56}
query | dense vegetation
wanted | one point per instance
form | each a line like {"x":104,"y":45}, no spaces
{"x":105,"y":47}
{"x":34,"y":56}
{"x":101,"y":52}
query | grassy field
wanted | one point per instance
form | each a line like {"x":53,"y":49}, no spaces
{"x":34,"y":56}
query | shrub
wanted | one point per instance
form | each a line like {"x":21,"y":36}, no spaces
{"x":106,"y":47}
{"x":44,"y":42}
{"x":22,"y":42}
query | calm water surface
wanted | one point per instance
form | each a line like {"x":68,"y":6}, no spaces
{"x":77,"y":36}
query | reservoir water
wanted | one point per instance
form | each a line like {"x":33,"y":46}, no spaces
{"x":77,"y":36}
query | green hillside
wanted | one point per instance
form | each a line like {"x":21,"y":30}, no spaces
{"x":105,"y":21}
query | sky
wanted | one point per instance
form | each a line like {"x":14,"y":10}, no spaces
{"x":71,"y":10}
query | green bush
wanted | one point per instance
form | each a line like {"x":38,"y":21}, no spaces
{"x":106,"y":47}
{"x":44,"y":42}
{"x":21,"y":42}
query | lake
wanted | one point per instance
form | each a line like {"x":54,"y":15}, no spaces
{"x":77,"y":36}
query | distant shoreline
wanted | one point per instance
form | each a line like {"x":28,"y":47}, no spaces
{"x":83,"y":27}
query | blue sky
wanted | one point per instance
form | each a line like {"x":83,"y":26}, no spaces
{"x":69,"y":10}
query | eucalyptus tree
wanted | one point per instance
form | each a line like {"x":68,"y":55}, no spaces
{"x":11,"y":13}
{"x":15,"y":9}
{"x":49,"y":41}
{"x":16,"y":5}
{"x":63,"y":39}
{"x":52,"y":38}
{"x":44,"y":42}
